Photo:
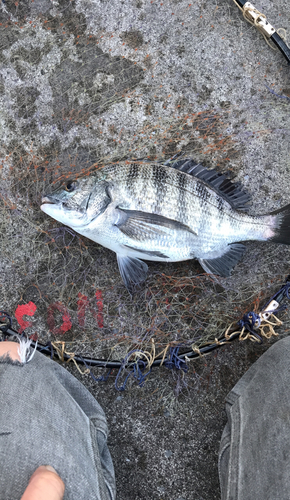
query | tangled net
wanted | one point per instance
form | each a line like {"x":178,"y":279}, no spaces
{"x":61,"y":94}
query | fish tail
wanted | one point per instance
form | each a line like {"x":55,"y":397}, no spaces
{"x":280,"y":226}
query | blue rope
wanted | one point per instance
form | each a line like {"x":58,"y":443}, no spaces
{"x":137,"y":371}
{"x":248,"y":322}
{"x":102,"y":378}
{"x":139,"y":367}
{"x":286,"y":289}
{"x":50,"y":346}
{"x":277,"y":95}
{"x":174,"y":361}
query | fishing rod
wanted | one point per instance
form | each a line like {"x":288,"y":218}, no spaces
{"x":259,"y":20}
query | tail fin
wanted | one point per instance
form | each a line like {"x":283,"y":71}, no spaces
{"x":282,"y":225}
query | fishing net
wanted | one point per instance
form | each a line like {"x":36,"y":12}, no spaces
{"x":75,"y":97}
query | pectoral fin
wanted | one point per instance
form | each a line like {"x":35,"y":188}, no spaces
{"x":224,"y":264}
{"x":140,"y":225}
{"x":132,"y":270}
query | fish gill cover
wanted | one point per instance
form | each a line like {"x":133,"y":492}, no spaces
{"x":87,"y":84}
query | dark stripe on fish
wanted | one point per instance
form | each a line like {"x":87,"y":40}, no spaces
{"x":159,"y":178}
{"x":132,"y":177}
{"x":202,"y":193}
{"x":133,"y":171}
{"x":220,"y":204}
{"x":149,"y":252}
{"x":182,"y":184}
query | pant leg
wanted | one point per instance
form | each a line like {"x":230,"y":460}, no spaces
{"x":48,"y":417}
{"x":254,"y":458}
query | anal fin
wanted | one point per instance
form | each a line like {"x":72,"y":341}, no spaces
{"x":133,"y":271}
{"x":224,"y":264}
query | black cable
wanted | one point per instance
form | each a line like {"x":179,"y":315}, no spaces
{"x":241,"y":2}
{"x":277,"y":40}
{"x":83,"y":360}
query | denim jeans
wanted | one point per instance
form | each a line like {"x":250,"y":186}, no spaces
{"x":254,"y":459}
{"x":47,"y":417}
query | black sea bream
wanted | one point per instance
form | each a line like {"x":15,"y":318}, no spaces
{"x":164,"y":213}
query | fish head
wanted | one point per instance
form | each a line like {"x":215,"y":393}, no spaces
{"x":77,"y":202}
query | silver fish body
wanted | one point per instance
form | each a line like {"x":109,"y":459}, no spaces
{"x":164,"y":213}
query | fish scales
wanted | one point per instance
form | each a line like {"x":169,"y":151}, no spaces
{"x":154,"y":189}
{"x":181,"y":197}
{"x":150,"y":211}
{"x":148,"y":184}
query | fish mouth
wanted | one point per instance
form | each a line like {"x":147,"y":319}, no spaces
{"x":58,"y":211}
{"x":48,"y":204}
{"x":47,"y":199}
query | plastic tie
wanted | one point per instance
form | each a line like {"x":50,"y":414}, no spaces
{"x":278,"y":296}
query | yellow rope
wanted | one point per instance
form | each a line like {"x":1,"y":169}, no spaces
{"x":269,"y":326}
{"x":62,"y":351}
{"x":196,"y":349}
{"x":228,"y":335}
{"x":164,"y":354}
{"x":149,"y":356}
{"x":282,"y":35}
{"x":266,"y":329}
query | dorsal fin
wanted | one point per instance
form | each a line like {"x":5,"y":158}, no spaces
{"x":233,"y":193}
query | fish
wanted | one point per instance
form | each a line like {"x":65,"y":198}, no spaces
{"x":165,"y":212}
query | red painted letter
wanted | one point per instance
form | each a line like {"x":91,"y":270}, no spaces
{"x":83,"y":303}
{"x":66,"y":325}
{"x":25,"y":309}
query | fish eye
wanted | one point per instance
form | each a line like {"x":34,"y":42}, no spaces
{"x":71,"y":186}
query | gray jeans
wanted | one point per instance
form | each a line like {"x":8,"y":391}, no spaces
{"x":47,"y":417}
{"x":254,"y":460}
